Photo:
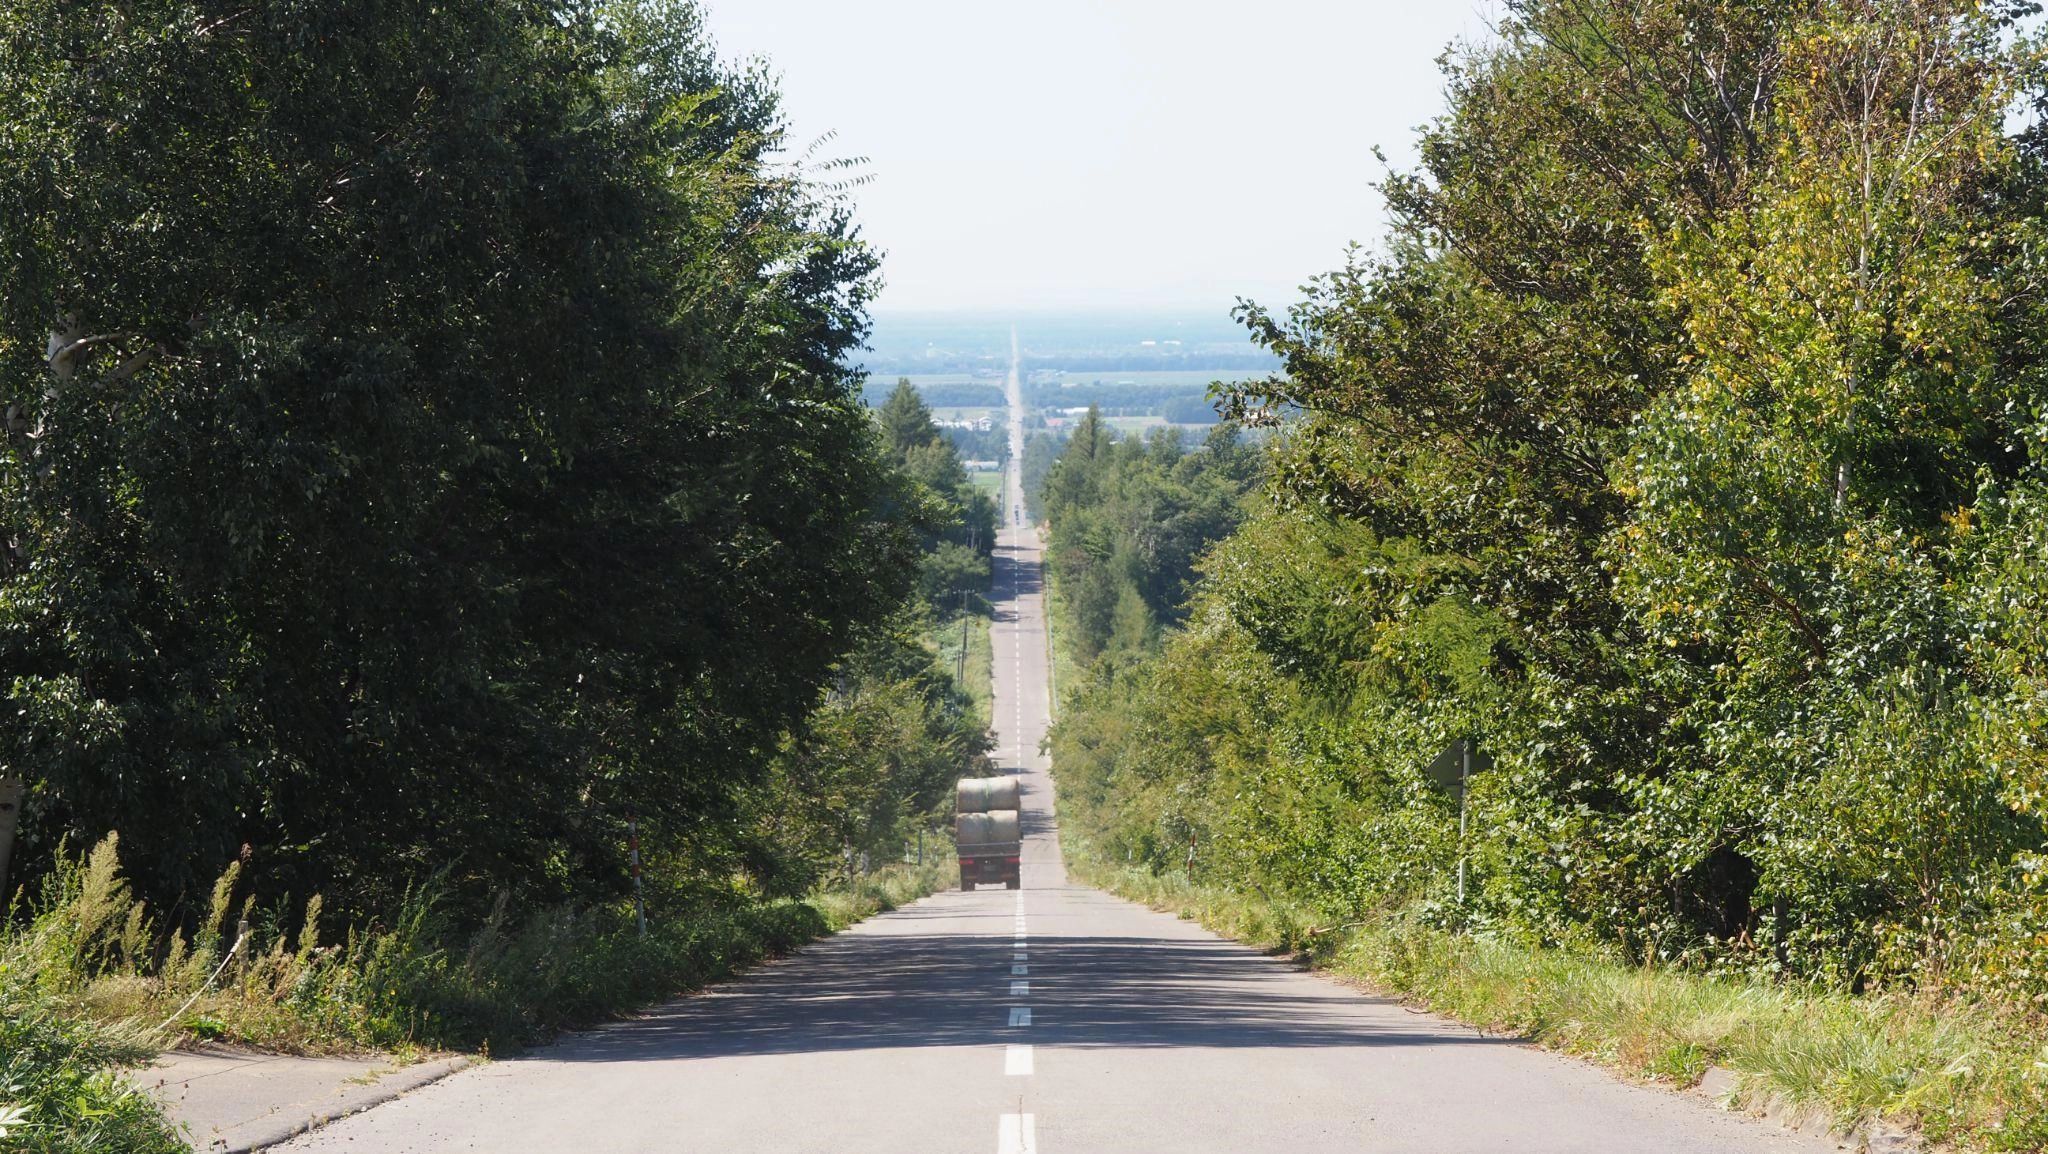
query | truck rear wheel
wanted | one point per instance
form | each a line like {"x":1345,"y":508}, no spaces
{"x":1014,"y":884}
{"x":966,"y":883}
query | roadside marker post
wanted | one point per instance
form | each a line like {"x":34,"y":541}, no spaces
{"x":1464,"y":777}
{"x":1452,"y":772}
{"x":633,"y":852}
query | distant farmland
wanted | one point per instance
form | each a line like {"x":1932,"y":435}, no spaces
{"x":941,"y":391}
{"x":1172,"y":378}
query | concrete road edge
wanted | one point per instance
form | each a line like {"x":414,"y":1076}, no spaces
{"x":276,"y":1130}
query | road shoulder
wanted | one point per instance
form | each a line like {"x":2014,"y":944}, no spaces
{"x":229,"y":1100}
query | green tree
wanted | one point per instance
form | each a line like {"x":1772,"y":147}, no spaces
{"x":1681,"y":447}
{"x":906,"y":420}
{"x":1130,"y":520}
{"x":875,"y":760}
{"x":428,"y":437}
{"x":1797,"y":500}
{"x":960,"y":521}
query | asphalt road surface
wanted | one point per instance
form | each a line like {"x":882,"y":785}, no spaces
{"x":1053,"y":1018}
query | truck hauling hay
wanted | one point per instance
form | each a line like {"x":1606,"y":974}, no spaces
{"x":986,"y":831}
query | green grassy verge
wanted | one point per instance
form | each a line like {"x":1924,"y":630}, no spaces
{"x":87,"y":986}
{"x":981,"y":669}
{"x":1964,"y":1073}
{"x":981,"y":661}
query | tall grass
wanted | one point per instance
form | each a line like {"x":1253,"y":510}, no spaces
{"x":59,"y":1093}
{"x":1963,"y":1071}
{"x":89,"y":983}
{"x":419,"y":981}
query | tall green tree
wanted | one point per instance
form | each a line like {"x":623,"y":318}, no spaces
{"x":427,"y":435}
{"x":1130,"y":519}
{"x":906,"y":420}
{"x":961,"y":519}
{"x":1798,"y":500}
{"x":1682,"y":448}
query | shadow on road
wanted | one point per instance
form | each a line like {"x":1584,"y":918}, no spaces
{"x":1012,"y":580}
{"x":913,"y":989}
{"x":1034,"y":822}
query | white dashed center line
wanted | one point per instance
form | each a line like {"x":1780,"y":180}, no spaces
{"x":1017,"y":1061}
{"x":1015,"y":1134}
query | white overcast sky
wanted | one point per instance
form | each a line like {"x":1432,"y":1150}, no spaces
{"x":1117,"y":154}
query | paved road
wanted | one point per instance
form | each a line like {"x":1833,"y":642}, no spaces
{"x":1053,"y":1019}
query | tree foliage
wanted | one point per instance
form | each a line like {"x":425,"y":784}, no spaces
{"x":1681,"y":447}
{"x":428,"y":441}
{"x":959,"y":518}
{"x":1129,"y":517}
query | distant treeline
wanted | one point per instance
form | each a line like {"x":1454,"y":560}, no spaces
{"x":888,"y":369}
{"x":938,"y":396}
{"x":1137,"y":362}
{"x":976,"y":445}
{"x":1180,"y":404}
{"x":1130,"y":518}
{"x":1041,"y":449}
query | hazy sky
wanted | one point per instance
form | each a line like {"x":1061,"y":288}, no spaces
{"x":1117,"y":153}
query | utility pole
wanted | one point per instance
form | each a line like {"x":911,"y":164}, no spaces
{"x":633,"y":849}
{"x":960,"y":671}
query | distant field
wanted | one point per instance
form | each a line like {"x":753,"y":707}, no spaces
{"x":933,"y":342}
{"x":927,"y":380}
{"x":990,"y":483}
{"x":1141,"y":424}
{"x":1133,"y":424}
{"x":1182,"y":379}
